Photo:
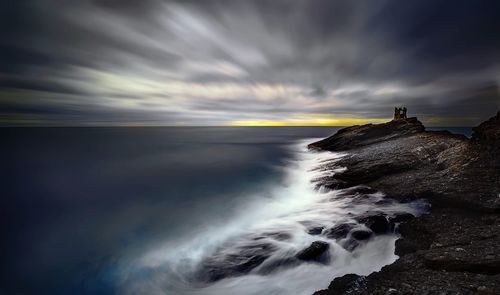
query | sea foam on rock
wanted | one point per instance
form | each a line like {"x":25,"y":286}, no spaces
{"x":317,"y":251}
{"x":449,"y":250}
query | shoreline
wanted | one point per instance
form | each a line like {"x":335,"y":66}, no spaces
{"x":452,"y":249}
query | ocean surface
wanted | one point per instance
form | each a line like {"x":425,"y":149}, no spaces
{"x":153,"y":210}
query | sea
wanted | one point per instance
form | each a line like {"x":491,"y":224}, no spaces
{"x":176,"y":211}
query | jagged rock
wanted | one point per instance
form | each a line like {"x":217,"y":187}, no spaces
{"x":339,"y":231}
{"x":271,"y":266}
{"x":361,"y":235}
{"x":350,"y":244}
{"x":360,"y":189}
{"x":481,"y":256}
{"x":454,"y":248}
{"x":279,"y":236}
{"x":332,"y":184}
{"x":487,"y":137}
{"x":342,"y":285}
{"x":315,"y":230}
{"x":377,"y":223}
{"x":401,"y":217}
{"x":358,"y":136}
{"x":405,"y":246}
{"x":317,"y":251}
{"x":238,"y":261}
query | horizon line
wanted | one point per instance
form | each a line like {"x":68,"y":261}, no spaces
{"x":200,"y":126}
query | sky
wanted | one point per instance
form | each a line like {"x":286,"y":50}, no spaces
{"x":232,"y":62}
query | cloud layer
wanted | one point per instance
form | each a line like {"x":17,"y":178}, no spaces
{"x":110,"y":62}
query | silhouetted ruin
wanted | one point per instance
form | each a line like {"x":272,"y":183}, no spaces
{"x":400,"y":113}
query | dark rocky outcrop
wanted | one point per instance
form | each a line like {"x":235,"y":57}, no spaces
{"x":358,"y":136}
{"x":453,"y":249}
{"x":274,"y":265}
{"x":234,"y":261}
{"x":343,"y":285}
{"x":377,"y":223}
{"x":487,"y":137}
{"x":356,"y":238}
{"x":339,"y":231}
{"x":401,"y":217}
{"x":361,"y":235}
{"x":350,"y":244}
{"x":317,"y":251}
{"x":279,"y":236}
{"x":315,"y":230}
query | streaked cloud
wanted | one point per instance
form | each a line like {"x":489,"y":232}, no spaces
{"x":256,"y":62}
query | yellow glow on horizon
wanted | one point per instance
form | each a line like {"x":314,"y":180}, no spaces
{"x":310,"y":121}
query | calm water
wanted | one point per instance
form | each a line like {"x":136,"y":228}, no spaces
{"x":134,"y":210}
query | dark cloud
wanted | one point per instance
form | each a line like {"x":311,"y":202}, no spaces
{"x":215,"y":61}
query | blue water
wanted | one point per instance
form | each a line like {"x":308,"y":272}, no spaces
{"x":76,"y":199}
{"x":80,"y":205}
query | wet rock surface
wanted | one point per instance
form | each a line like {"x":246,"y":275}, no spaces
{"x":377,"y":223}
{"x":486,"y":137}
{"x":455,"y":248}
{"x":315,"y":230}
{"x":361,"y":235}
{"x":236,"y":261}
{"x":358,"y":136}
{"x":318,"y":251}
{"x":339,"y":231}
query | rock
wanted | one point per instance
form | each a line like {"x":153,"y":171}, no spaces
{"x":401,"y":217}
{"x":232,"y":261}
{"x":271,"y":266}
{"x":384,"y":202}
{"x":342,"y":285}
{"x":398,"y":218}
{"x":279,"y":236}
{"x":360,"y":189}
{"x":315,"y":230}
{"x":250,"y":263}
{"x":339,"y":231}
{"x":487,"y":135}
{"x":483,"y":290}
{"x":333,"y":184}
{"x":478,"y":257}
{"x":358,"y":136}
{"x":377,"y":223}
{"x":405,"y":246}
{"x":317,"y":251}
{"x":366,"y":172}
{"x":350,"y":244}
{"x":216,"y":272}
{"x":454,"y":248}
{"x":361,"y":235}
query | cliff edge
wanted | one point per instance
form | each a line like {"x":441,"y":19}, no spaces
{"x":454,"y":248}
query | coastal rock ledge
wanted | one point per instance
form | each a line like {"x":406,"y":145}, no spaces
{"x":455,"y":249}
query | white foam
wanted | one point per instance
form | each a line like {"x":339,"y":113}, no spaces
{"x":166,"y":270}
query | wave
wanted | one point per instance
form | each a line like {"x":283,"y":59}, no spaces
{"x":256,"y":251}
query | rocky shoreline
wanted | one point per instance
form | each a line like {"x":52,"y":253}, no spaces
{"x":454,"y":249}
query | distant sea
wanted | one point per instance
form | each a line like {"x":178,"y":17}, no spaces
{"x":130,"y":210}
